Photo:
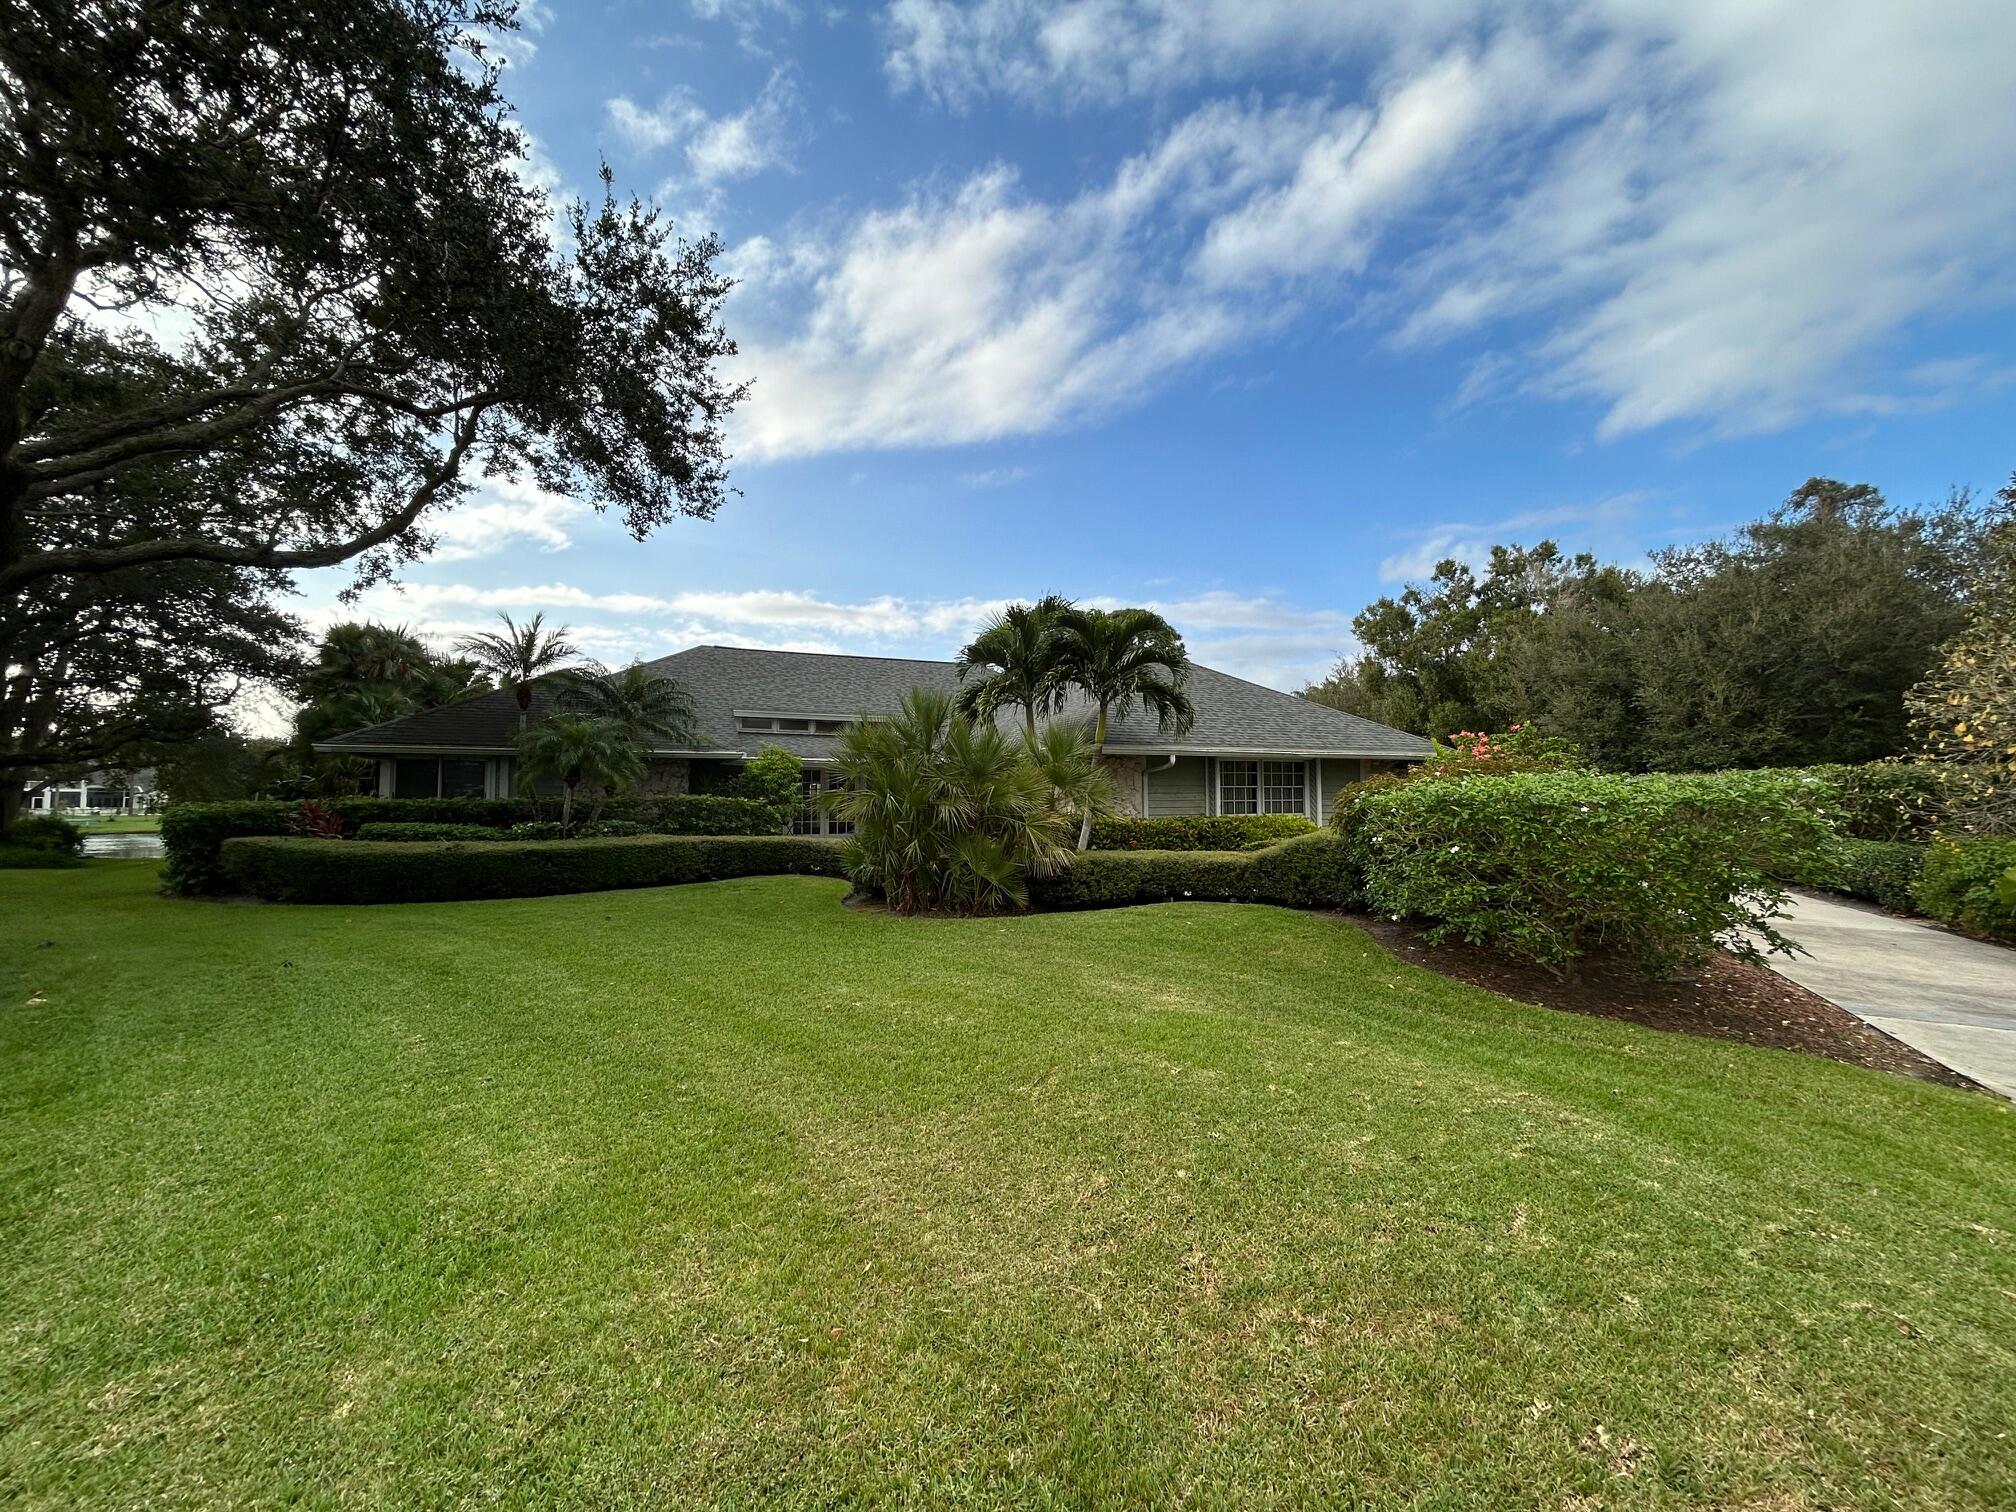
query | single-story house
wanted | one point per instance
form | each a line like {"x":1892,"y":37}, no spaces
{"x":95,"y":794}
{"x":1251,"y":750}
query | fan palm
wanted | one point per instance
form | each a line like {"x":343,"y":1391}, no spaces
{"x":1065,"y":757}
{"x":948,"y":815}
{"x":520,"y":657}
{"x":577,"y":749}
{"x":1015,"y":658}
{"x":1124,"y":657}
{"x":648,"y":705}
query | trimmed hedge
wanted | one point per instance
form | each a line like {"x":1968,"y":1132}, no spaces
{"x":192,"y":833}
{"x":1553,"y":866}
{"x":288,"y":869}
{"x":1311,"y":871}
{"x":1963,"y":886}
{"x":1198,"y":832}
{"x":410,"y":833}
{"x":1883,"y":872}
{"x":47,"y":832}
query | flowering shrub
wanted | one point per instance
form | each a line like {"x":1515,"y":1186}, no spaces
{"x":1519,"y":749}
{"x":1553,"y":866}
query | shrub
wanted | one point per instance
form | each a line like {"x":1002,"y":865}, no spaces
{"x":14,"y":856}
{"x":47,"y":832}
{"x":1213,"y":832}
{"x":1310,"y":871}
{"x":694,"y":814}
{"x":1880,"y":800}
{"x":1963,"y":886}
{"x":1883,"y":872}
{"x":610,"y":829}
{"x":1553,"y":866}
{"x":770,"y":778}
{"x":290,"y":870}
{"x":192,"y":832}
{"x":409,"y":833}
{"x":1477,"y":753}
{"x":536,"y":829}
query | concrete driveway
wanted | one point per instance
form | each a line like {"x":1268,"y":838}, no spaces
{"x":1949,"y":996}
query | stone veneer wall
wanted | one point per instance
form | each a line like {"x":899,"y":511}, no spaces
{"x":666,"y":777}
{"x":1126,"y":772}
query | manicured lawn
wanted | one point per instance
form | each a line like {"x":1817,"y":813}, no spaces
{"x":725,"y":1194}
{"x":134,"y":824}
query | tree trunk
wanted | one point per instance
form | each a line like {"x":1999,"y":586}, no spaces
{"x":13,"y":794}
{"x":567,"y":804}
{"x":1098,"y":745}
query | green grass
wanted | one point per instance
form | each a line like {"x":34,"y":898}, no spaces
{"x":727,"y":1195}
{"x":131,"y":824}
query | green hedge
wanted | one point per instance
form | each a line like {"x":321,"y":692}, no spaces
{"x":191,"y":833}
{"x":1312,"y":871}
{"x":1198,"y":832}
{"x":1557,"y":865}
{"x":409,"y":833}
{"x":286,"y":869}
{"x":1963,"y":886}
{"x":15,"y":856}
{"x":47,"y":832}
{"x":1883,"y":872}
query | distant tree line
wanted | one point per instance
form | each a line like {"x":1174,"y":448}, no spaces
{"x":1798,"y":639}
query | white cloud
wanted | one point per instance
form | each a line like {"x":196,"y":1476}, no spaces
{"x":994,"y":477}
{"x":1607,"y":526}
{"x":1721,"y":213}
{"x":717,"y":148}
{"x":506,"y":514}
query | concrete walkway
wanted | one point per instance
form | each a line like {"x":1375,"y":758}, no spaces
{"x":1951,"y":997}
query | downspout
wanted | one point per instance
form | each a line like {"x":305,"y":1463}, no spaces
{"x":1145,"y":770}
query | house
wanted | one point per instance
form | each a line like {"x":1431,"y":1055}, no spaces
{"x":95,"y":794}
{"x":1251,"y":750}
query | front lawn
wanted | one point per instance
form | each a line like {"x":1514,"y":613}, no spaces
{"x":125,"y":824}
{"x":727,"y":1194}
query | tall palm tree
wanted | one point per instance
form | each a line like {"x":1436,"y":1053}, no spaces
{"x":520,"y":657}
{"x":1121,"y":657}
{"x":1066,"y":759}
{"x":355,"y":656}
{"x":635,"y":697}
{"x":1015,"y":657}
{"x":577,"y":749}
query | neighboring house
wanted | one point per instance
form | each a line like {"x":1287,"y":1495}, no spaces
{"x":95,"y":793}
{"x":1252,"y":750}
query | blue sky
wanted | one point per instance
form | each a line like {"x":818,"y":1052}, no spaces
{"x":1251,"y":310}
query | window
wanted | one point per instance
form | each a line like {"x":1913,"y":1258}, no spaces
{"x":462,"y":779}
{"x":812,"y":818}
{"x":1238,"y":787}
{"x":429,"y":777}
{"x":789,"y":724}
{"x":1263,"y":787}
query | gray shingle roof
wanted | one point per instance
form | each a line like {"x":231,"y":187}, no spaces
{"x":1232,"y":714}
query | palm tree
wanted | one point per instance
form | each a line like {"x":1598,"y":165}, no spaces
{"x":1015,"y":654}
{"x":1068,"y":762}
{"x":948,"y":815}
{"x":520,"y":658}
{"x":1121,"y":657}
{"x":577,"y":749}
{"x":637,"y":698}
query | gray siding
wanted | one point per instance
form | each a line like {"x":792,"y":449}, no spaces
{"x":1337,"y":771}
{"x":1177,"y":791}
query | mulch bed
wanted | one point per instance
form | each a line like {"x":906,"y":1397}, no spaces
{"x":1730,"y":1000}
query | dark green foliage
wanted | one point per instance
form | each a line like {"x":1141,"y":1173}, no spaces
{"x":1883,"y":872}
{"x":291,"y":870}
{"x":770,"y":778}
{"x":1883,"y":800}
{"x":695,"y":814}
{"x":15,"y":856}
{"x":535,"y":829}
{"x":1792,"y":641}
{"x":192,"y":832}
{"x":1311,"y":871}
{"x":48,"y":832}
{"x":610,"y":829}
{"x":1219,"y":832}
{"x":1554,"y":866}
{"x":1965,"y":885}
{"x":407,"y":833}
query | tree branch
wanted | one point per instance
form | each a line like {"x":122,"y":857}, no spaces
{"x":17,"y":575}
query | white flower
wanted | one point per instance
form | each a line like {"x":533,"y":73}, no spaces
{"x":1454,"y":848}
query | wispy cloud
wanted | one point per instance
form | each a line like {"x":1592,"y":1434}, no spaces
{"x":716,"y":149}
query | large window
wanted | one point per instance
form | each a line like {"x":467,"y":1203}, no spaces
{"x":790,"y":724}
{"x":812,"y":818}
{"x":1263,"y":787}
{"x":429,"y":777}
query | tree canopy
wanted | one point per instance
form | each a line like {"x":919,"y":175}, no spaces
{"x":275,"y":290}
{"x":1792,"y":641}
